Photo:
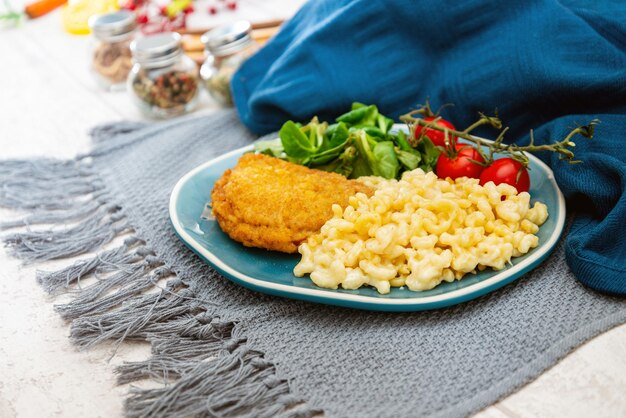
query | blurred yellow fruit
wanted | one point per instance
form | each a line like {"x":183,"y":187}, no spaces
{"x":77,"y":13}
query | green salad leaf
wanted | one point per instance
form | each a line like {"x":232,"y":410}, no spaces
{"x":271,"y":147}
{"x":365,"y":163}
{"x":430,"y":154}
{"x":386,"y":160}
{"x":361,"y":142}
{"x":409,"y":160}
{"x":297,"y":145}
{"x":360,"y":115}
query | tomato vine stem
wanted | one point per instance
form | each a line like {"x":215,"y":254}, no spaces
{"x":497,"y":146}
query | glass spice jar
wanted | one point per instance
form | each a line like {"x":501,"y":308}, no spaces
{"x":226,"y":48}
{"x":111,"y":58}
{"x":163,"y":81}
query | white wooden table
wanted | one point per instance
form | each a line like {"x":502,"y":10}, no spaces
{"x":48,"y":101}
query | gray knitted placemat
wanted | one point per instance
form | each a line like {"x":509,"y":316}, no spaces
{"x":222,"y":350}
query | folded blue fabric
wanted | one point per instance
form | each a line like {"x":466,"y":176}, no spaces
{"x":545,"y":65}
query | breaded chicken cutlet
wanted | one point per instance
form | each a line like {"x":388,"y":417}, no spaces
{"x":269,"y":203}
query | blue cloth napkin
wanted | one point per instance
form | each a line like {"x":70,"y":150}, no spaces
{"x":545,"y":65}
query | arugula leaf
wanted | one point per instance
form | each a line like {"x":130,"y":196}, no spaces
{"x":387,"y":164}
{"x":296,"y":144}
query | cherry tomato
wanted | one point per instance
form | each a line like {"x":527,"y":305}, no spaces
{"x":461,"y":164}
{"x":131,"y":5}
{"x":142,"y":19}
{"x":509,"y":171}
{"x":436,"y":137}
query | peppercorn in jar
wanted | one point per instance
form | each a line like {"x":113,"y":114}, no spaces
{"x":111,"y":59}
{"x":163,"y":81}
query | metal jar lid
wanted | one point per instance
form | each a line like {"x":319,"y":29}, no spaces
{"x":228,"y":39}
{"x":113,"y":26}
{"x":157,"y":50}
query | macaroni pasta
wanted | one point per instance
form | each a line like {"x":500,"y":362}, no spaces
{"x":420,"y":231}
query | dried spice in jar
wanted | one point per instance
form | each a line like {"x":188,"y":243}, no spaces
{"x":111,"y":60}
{"x":226,"y":48}
{"x":168,"y":90}
{"x":163,"y":82}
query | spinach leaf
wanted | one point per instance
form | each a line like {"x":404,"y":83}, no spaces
{"x":387,"y":164}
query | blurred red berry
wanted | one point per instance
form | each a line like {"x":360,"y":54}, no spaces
{"x":188,"y":9}
{"x":212,"y":10}
{"x":142,"y":19}
{"x":231,"y":5}
{"x":163,"y":10}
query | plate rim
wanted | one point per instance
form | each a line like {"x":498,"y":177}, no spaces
{"x":360,"y":301}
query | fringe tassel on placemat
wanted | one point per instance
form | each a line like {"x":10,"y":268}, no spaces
{"x":228,"y":380}
{"x":204,"y":364}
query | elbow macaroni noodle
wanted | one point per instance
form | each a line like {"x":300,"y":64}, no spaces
{"x":420,"y":231}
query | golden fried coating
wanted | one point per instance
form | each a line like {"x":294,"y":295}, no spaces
{"x":269,"y":203}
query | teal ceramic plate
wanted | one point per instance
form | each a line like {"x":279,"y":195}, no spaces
{"x":271,"y":272}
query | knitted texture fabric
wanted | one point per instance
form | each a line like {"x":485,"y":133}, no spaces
{"x":547,"y":65}
{"x":222,"y":350}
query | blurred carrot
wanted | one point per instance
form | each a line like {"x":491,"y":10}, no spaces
{"x":41,"y":7}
